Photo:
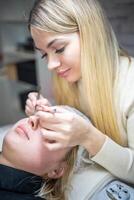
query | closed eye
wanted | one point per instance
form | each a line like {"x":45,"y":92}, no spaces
{"x":60,"y":50}
{"x":57,"y":51}
{"x":44,"y":55}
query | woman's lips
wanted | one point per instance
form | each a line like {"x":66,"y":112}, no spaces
{"x":22,"y":131}
{"x":64,"y":73}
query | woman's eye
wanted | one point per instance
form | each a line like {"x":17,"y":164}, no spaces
{"x":56,"y":51}
{"x":60,"y":50}
{"x":44,"y":55}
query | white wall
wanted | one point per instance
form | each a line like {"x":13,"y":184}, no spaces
{"x":44,"y":78}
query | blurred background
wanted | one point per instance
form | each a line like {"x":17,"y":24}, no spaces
{"x":22,"y":70}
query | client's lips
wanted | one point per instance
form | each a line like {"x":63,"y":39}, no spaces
{"x":20,"y":129}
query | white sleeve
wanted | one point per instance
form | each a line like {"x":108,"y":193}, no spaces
{"x":119,"y":160}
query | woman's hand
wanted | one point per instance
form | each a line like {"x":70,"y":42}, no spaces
{"x":32,"y":104}
{"x":63,"y":128}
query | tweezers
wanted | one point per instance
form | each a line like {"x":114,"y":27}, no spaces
{"x":38,"y":95}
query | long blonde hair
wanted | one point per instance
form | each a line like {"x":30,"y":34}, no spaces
{"x":94,"y":93}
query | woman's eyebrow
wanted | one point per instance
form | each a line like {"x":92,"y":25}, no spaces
{"x":49,"y":44}
{"x":52,"y":42}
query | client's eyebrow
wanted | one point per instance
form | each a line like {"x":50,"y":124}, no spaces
{"x":48,"y":45}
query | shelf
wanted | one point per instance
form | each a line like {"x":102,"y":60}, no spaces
{"x":11,"y":21}
{"x":17,"y":56}
{"x":10,"y":104}
{"x":16,"y":85}
{"x":20,"y":86}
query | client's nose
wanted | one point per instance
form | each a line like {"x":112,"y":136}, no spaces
{"x":33,"y":121}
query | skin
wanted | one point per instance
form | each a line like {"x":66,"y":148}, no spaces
{"x":24,"y":148}
{"x":63,"y":55}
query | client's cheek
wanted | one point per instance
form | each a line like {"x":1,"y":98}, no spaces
{"x":33,"y":161}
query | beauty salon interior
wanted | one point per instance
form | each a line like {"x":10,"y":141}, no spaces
{"x":22,"y":70}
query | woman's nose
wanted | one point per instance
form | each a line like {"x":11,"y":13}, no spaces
{"x":53,"y":63}
{"x":33,"y":122}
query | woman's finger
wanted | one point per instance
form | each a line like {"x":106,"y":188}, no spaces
{"x":55,"y":137}
{"x":29,"y":103}
{"x":28,"y":111}
{"x":44,"y":108}
{"x":50,"y":135}
{"x":56,"y":126}
{"x":33,"y":97}
{"x":55,"y":116}
{"x":44,"y":102}
{"x":47,"y":117}
{"x":54,"y":146}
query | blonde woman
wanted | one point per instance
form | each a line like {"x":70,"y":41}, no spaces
{"x":91,"y":73}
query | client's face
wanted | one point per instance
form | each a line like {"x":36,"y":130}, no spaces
{"x":24,"y":147}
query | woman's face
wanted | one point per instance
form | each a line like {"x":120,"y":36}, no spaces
{"x":24,"y":148}
{"x":62,"y":52}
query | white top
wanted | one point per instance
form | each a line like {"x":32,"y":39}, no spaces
{"x":117,"y":160}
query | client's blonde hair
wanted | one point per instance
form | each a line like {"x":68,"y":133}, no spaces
{"x":55,"y":189}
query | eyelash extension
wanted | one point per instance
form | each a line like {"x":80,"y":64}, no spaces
{"x":60,"y":50}
{"x":57,"y":51}
{"x":43,"y":56}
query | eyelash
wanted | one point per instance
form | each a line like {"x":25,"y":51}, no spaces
{"x":60,"y":50}
{"x":57,"y":51}
{"x":43,"y":56}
